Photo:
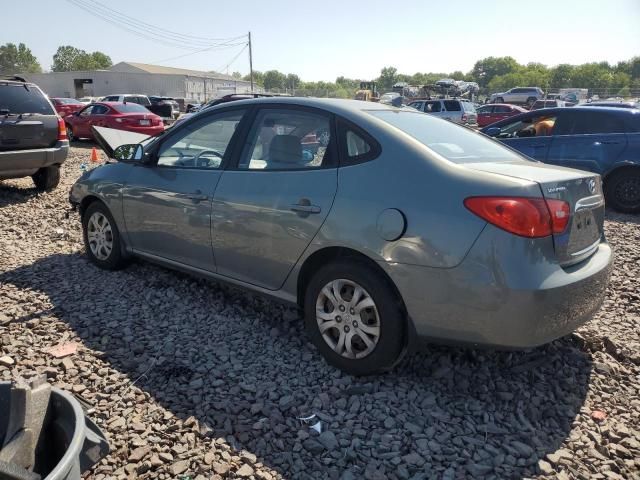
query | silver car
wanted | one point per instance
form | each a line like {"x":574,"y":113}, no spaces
{"x":518,"y":95}
{"x":402,"y":226}
{"x":454,"y":109}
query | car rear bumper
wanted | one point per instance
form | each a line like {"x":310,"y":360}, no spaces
{"x":151,"y":130}
{"x":22,"y":163}
{"x":517,"y":299}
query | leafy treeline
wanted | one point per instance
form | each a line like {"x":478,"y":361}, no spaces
{"x":493,"y":74}
{"x":19,"y":59}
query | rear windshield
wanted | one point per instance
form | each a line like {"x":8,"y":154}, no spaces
{"x":131,"y":108}
{"x":455,"y":143}
{"x":15,"y":98}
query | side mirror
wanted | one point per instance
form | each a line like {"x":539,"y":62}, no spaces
{"x":131,"y":152}
{"x":492,"y":131}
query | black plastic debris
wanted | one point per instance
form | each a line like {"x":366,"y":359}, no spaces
{"x":45,"y":434}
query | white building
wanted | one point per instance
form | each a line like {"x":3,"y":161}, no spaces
{"x":129,"y":77}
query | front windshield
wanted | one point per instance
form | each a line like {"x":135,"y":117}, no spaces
{"x":455,"y":143}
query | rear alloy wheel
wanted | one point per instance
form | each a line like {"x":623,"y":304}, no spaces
{"x":47,"y":178}
{"x":101,"y":237}
{"x":354,"y":318}
{"x":622,"y":191}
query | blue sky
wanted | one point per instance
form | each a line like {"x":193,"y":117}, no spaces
{"x":322,"y":40}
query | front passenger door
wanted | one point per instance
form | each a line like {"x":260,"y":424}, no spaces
{"x":269,"y":207}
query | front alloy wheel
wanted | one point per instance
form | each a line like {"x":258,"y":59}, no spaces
{"x":100,"y":236}
{"x":348,"y":319}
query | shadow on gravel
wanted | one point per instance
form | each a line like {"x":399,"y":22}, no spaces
{"x":242,"y":365}
{"x":12,"y":195}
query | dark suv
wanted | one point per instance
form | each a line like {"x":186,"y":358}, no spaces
{"x":33,"y":138}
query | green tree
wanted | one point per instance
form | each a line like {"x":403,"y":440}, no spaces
{"x":561,"y":76}
{"x":237,"y":75}
{"x":68,"y":59}
{"x":388,"y":76}
{"x":18,"y":59}
{"x":292,"y":81}
{"x":486,"y":69}
{"x":273,"y":79}
{"x":258,"y":78}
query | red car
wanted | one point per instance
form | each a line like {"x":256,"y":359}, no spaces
{"x":493,"y":112}
{"x":67,"y":106}
{"x":121,"y":116}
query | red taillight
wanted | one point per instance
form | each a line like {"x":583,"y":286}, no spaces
{"x":524,"y":216}
{"x":62,"y":130}
{"x":560,"y":212}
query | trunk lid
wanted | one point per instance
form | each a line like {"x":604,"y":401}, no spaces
{"x":581,"y":190}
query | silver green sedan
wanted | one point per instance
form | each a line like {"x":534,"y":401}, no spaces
{"x":398,"y":226}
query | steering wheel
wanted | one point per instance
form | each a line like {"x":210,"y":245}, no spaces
{"x":196,"y":159}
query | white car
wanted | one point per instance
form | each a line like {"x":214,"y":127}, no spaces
{"x":518,"y":95}
{"x":457,"y":110}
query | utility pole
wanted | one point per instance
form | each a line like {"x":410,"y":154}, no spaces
{"x":250,"y":63}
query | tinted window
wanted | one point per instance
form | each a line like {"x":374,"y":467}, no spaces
{"x":19,"y":98}
{"x":283,"y":139}
{"x":417,"y":105}
{"x":597,"y":122}
{"x":356,"y":145}
{"x":87,"y":111}
{"x":67,"y":101}
{"x":131,"y":108}
{"x":112,"y":98}
{"x":431,"y":107}
{"x":501,"y":109}
{"x":455,"y":143}
{"x":486,"y":109}
{"x":201,"y":144}
{"x":518,"y":90}
{"x":452,"y":105}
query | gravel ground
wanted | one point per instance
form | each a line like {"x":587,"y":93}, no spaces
{"x":192,"y":379}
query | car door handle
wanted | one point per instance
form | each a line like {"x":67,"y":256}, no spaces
{"x":304,"y":206}
{"x":609,"y":142}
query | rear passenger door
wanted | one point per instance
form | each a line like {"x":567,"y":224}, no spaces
{"x":590,"y":141}
{"x":270,"y":205}
{"x":453,"y":110}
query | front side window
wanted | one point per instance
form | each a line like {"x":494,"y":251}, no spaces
{"x":99,"y":110}
{"x":501,"y":109}
{"x":486,"y":109}
{"x":538,"y":126}
{"x":417,"y":105}
{"x":432,"y":107}
{"x":87,"y":111}
{"x":283,"y":139}
{"x":201,"y":144}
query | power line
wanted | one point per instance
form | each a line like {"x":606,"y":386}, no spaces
{"x":233,"y":59}
{"x":198,"y":51}
{"x":156,"y":28}
{"x":150,"y":32}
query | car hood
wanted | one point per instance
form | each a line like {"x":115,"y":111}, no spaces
{"x":109,"y":138}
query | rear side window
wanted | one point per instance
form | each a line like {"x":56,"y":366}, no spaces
{"x":596,"y":122}
{"x":19,"y":98}
{"x":486,"y":109}
{"x":501,"y":109}
{"x":452,"y":106}
{"x":112,"y":98}
{"x":356,"y":145}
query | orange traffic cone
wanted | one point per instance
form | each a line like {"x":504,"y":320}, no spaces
{"x":94,"y":155}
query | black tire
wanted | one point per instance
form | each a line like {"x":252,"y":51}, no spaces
{"x":114,"y":260}
{"x":391,"y":318}
{"x":47,"y":178}
{"x":499,"y":100}
{"x":70,"y":133}
{"x":622,"y":190}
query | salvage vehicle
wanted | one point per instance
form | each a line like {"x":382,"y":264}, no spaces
{"x":494,"y":112}
{"x":538,"y":104}
{"x":66,"y":106}
{"x":404,"y":226}
{"x":163,"y":110}
{"x":602,"y":140}
{"x":519,"y":96}
{"x":33,"y":139}
{"x":457,"y":110}
{"x":165,"y":106}
{"x":121,"y":116}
